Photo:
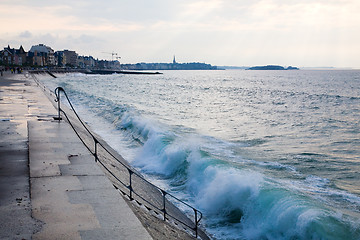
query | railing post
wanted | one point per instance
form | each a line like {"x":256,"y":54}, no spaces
{"x":164,"y":206}
{"x":196,"y":223}
{"x":96,"y":142}
{"x":130,"y":184}
{"x":59,"y":106}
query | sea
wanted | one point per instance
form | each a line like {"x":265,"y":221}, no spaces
{"x":262,"y":154}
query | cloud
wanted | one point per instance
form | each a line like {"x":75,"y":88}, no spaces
{"x":213,"y":30}
{"x":25,"y":34}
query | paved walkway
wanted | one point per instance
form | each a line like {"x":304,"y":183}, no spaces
{"x":71,"y":198}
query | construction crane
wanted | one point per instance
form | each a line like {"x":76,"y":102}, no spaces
{"x":112,"y":55}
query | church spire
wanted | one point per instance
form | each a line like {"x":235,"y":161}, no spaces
{"x":174,"y":61}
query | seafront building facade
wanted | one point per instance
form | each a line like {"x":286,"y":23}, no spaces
{"x":66,"y":58}
{"x":44,"y":56}
{"x":12,"y":56}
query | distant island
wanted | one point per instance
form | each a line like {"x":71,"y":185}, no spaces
{"x":272,"y":67}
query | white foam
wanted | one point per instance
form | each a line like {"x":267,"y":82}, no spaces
{"x":228,"y":189}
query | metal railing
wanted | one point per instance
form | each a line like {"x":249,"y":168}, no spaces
{"x":134,"y":183}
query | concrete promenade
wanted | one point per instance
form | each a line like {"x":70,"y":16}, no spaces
{"x":50,"y":186}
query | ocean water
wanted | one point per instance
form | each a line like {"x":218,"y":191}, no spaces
{"x":263,"y":154}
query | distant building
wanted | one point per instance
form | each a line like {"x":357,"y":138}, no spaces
{"x":104,"y":64}
{"x":70,"y":58}
{"x":22,"y":55}
{"x":89,"y":62}
{"x":86,"y":62}
{"x":42,"y":55}
{"x":59,"y":58}
{"x":67,"y":58}
{"x":36,"y":59}
{"x":80,"y":62}
{"x":12,"y":56}
{"x":7,"y":57}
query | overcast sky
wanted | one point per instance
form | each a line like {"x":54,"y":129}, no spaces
{"x":304,"y":33}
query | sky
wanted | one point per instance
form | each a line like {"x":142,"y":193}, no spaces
{"x":302,"y":33}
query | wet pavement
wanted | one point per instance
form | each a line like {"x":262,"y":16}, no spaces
{"x":51,"y":187}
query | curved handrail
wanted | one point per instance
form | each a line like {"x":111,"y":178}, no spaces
{"x":131,"y":171}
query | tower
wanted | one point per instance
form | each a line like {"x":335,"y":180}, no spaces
{"x":174,"y":61}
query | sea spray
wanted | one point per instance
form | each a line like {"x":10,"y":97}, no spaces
{"x":228,"y":192}
{"x":160,"y":156}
